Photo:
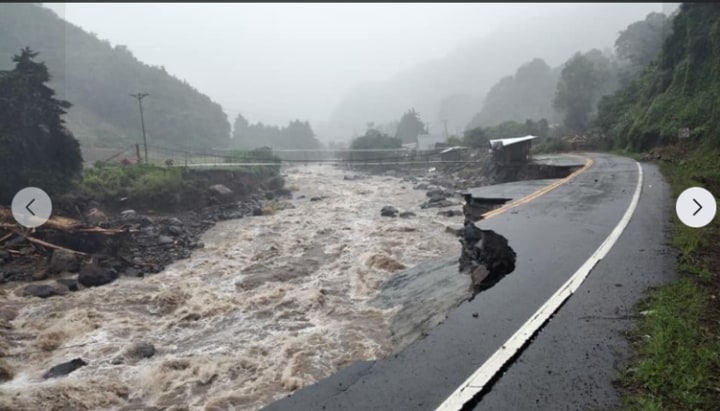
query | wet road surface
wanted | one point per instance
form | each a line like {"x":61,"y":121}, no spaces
{"x":572,"y":360}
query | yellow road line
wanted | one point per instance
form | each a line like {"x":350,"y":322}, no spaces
{"x":539,"y":192}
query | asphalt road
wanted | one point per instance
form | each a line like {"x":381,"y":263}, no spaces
{"x":571,"y":362}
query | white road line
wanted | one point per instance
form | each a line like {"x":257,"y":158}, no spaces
{"x":475,"y":383}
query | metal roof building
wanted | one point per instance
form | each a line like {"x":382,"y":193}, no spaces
{"x":512,"y":150}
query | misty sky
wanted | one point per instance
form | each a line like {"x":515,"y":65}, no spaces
{"x":274,"y":62}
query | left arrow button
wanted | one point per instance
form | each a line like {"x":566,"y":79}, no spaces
{"x":31,"y":207}
{"x":28,"y":207}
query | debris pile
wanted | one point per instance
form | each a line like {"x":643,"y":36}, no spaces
{"x":95,"y":253}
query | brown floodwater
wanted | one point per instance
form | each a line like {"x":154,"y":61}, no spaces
{"x":269,"y":305}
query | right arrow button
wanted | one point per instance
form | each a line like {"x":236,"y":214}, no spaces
{"x":699,"y":207}
{"x":691,"y":202}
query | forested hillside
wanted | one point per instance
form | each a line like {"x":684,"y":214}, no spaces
{"x":526,"y":95}
{"x":680,"y":89}
{"x":97,"y":79}
{"x":576,"y":94}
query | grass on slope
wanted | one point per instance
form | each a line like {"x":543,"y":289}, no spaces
{"x":676,"y":364}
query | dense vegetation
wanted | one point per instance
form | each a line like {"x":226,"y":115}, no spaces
{"x":98,"y":77}
{"x":374,"y":139}
{"x":572,"y":94}
{"x":265,"y":163}
{"x":584,"y":79}
{"x":296,"y":135}
{"x":679,"y":89}
{"x":35,"y":147}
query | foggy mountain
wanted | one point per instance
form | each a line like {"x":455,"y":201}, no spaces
{"x":97,"y":79}
{"x":528,"y":94}
{"x":453,"y":87}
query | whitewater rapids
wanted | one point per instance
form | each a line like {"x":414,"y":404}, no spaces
{"x":269,"y":305}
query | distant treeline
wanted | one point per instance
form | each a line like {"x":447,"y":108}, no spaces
{"x":296,"y":135}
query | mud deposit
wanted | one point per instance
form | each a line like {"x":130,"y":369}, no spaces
{"x":271,"y":304}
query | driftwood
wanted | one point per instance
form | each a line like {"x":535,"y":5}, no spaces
{"x":65,"y":225}
{"x":53,"y":246}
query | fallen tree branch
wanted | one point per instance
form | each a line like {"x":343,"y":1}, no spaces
{"x":53,"y":246}
{"x":5,"y":237}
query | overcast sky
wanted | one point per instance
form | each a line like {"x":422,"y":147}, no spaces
{"x":273,"y":62}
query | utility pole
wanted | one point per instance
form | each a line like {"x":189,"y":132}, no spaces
{"x":446,"y":132}
{"x":139,"y":96}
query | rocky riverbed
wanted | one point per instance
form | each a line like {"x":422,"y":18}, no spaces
{"x":250,"y":310}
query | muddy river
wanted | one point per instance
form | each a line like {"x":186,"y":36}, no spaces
{"x":269,"y":305}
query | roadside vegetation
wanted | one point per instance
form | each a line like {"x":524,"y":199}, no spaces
{"x":676,"y":362}
{"x":676,"y":344}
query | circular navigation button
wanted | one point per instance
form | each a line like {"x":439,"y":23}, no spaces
{"x":31,"y":207}
{"x":696,"y":207}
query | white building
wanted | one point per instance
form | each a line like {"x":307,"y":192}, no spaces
{"x":428,"y":141}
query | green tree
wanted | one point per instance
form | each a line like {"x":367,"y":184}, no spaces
{"x":410,"y":127}
{"x":583,"y":81}
{"x":35,"y":147}
{"x":640,"y":43}
{"x":476,"y":137}
{"x":299,"y":134}
{"x":374,"y":139}
{"x":296,"y":135}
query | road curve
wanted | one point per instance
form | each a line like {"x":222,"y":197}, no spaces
{"x":571,"y":361}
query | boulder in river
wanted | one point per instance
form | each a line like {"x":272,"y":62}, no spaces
{"x":42,"y":291}
{"x":93,"y":275}
{"x":62,"y":260}
{"x":389,"y":211}
{"x":134,"y":353}
{"x":69,"y":283}
{"x":220,"y":189}
{"x":437,"y":204}
{"x":407,"y":214}
{"x":128,"y":214}
{"x":436,"y":193}
{"x":450,"y":213}
{"x":65,"y":368}
{"x":6,"y":373}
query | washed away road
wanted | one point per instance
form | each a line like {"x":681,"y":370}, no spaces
{"x":522,"y":345}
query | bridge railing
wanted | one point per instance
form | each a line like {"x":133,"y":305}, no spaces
{"x":234,"y":158}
